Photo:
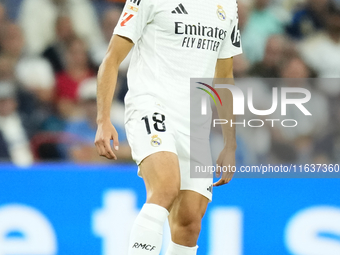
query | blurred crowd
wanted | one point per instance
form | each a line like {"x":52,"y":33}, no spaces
{"x":49,"y":56}
{"x":50,"y":51}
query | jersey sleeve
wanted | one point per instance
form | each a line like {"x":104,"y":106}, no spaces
{"x":135,"y":16}
{"x":231,"y":45}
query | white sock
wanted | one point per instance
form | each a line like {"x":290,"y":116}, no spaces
{"x":176,"y":249}
{"x":147,"y":231}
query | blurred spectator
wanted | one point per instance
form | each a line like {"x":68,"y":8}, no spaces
{"x":291,"y":5}
{"x":240,"y":66}
{"x":77,"y":70}
{"x":12,"y":41}
{"x":258,"y":140}
{"x":32,"y":77}
{"x":322,"y":51}
{"x":85,"y":128}
{"x":109,"y":21}
{"x":274,"y":52}
{"x":243,"y":13}
{"x":36,"y":75}
{"x":116,"y":1}
{"x":308,"y":19}
{"x":38,"y":19}
{"x":308,"y":128}
{"x":7,"y":74}
{"x":13,"y":140}
{"x":262,"y":23}
{"x":3,"y":15}
{"x":282,"y":153}
{"x":7,"y":67}
{"x":56,"y":51}
{"x":37,"y":84}
{"x":294,"y":68}
{"x":296,"y":73}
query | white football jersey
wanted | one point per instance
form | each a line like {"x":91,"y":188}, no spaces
{"x":175,"y":41}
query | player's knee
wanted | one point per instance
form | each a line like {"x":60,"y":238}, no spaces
{"x":193,"y":228}
{"x":190,"y":225}
{"x":169,"y":194}
{"x":164,"y":196}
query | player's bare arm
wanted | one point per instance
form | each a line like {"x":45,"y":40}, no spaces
{"x":118,"y":49}
{"x":224,"y":69}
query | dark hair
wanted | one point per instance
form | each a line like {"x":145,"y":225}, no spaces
{"x":334,"y":7}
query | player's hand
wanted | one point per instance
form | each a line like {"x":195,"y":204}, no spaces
{"x":106,"y":132}
{"x":226,"y":161}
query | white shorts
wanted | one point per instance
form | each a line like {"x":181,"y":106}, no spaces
{"x":151,"y":128}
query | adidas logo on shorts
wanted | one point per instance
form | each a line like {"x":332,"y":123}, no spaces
{"x":180,"y":10}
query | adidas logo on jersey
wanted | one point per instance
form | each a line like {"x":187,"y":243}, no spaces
{"x":180,"y":10}
{"x":137,"y":2}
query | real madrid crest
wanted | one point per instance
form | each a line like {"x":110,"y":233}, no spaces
{"x":221,"y":13}
{"x":156,"y":141}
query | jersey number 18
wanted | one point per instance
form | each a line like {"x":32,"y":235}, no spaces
{"x":158,"y":125}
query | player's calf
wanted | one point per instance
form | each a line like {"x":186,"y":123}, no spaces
{"x":185,"y":229}
{"x":185,"y":222}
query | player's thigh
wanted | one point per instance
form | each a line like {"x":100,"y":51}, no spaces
{"x":152,"y":140}
{"x":188,"y":209}
{"x":161,"y":174}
